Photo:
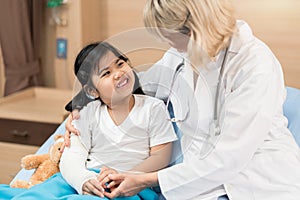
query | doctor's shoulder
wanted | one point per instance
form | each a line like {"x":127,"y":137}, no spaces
{"x":171,"y":58}
{"x":149,"y":102}
{"x":252,"y":60}
{"x":256,"y":55}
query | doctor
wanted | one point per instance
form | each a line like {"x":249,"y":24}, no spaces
{"x":227,"y":91}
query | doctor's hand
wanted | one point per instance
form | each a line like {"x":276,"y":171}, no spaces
{"x":128,"y":184}
{"x":70,"y":129}
{"x":103,"y":176}
{"x":93,"y":187}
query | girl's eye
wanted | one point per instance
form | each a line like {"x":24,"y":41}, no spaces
{"x":120,"y":63}
{"x":105,"y":73}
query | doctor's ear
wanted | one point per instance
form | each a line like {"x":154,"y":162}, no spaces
{"x":90,"y":92}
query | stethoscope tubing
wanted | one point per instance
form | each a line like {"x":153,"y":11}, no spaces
{"x":216,"y":107}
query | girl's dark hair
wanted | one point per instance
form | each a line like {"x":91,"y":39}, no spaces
{"x":86,"y":62}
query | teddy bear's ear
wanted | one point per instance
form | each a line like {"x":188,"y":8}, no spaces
{"x":56,"y":137}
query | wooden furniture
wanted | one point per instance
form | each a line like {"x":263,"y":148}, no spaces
{"x":2,"y":76}
{"x":31,"y":116}
{"x":10,"y":156}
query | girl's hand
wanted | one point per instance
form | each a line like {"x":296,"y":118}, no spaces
{"x":93,"y":187}
{"x":70,"y":129}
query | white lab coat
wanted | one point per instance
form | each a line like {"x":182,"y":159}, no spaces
{"x":256,"y":156}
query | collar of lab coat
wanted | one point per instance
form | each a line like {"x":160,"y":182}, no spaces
{"x":243,"y":35}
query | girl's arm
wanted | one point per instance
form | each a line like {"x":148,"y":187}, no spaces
{"x":161,"y":135}
{"x":160,"y":156}
{"x":73,"y":169}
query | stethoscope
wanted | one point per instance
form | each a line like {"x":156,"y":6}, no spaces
{"x":178,"y":69}
{"x":214,"y":128}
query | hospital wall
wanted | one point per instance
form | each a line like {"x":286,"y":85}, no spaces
{"x":277,"y":23}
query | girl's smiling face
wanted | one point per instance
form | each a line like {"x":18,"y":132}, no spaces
{"x":114,"y":80}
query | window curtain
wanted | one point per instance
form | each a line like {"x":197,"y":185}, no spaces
{"x":20,"y":22}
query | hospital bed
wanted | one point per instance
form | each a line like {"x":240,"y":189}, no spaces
{"x":291,"y":111}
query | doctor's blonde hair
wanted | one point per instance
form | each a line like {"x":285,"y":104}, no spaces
{"x":209,"y":23}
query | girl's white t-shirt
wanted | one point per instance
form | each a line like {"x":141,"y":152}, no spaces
{"x":103,"y":143}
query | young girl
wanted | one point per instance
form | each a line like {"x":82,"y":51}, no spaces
{"x":119,"y":132}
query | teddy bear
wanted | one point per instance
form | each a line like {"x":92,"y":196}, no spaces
{"x":45,"y":164}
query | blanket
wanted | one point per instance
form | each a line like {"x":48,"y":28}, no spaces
{"x":56,"y":188}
